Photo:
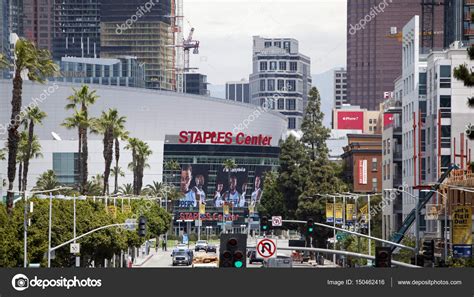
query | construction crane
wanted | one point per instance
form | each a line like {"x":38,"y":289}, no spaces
{"x":189,"y":44}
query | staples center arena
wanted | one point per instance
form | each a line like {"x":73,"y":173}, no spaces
{"x":197,"y":132}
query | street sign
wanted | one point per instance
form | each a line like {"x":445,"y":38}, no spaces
{"x":75,"y":248}
{"x":198,"y":223}
{"x":185,"y":239}
{"x":277,"y":221}
{"x":266,"y":248}
{"x":130,"y":224}
{"x":462,"y":251}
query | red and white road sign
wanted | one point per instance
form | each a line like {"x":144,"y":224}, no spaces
{"x":266,"y":248}
{"x":277,"y":221}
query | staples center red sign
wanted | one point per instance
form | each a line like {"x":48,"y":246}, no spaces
{"x":198,"y":137}
{"x":350,"y":120}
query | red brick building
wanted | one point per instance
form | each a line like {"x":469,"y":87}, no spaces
{"x":362,"y":161}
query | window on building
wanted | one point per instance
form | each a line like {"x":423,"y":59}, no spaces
{"x":388,"y":170}
{"x":65,"y":166}
{"x":287,"y":46}
{"x":268,"y":43}
{"x":281,"y":85}
{"x":281,"y":104}
{"x":273,"y":65}
{"x":262,"y":85}
{"x":277,"y":44}
{"x":375,"y":185}
{"x":282,"y":65}
{"x":263,"y":66}
{"x":389,"y":145}
{"x":271,"y":85}
{"x":428,"y":165}
{"x":291,"y":85}
{"x":294,"y":66}
{"x":292,"y":123}
{"x":374,"y":164}
{"x":422,"y":83}
{"x":291,"y":104}
{"x":445,"y":76}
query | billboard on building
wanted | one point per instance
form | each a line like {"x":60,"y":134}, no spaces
{"x":232,"y":186}
{"x":362,"y":172}
{"x":350,"y":120}
{"x":387,"y":119}
{"x":193,"y":185}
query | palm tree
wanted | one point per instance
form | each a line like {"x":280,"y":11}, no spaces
{"x":33,"y":117}
{"x":80,"y":100}
{"x":2,"y":154}
{"x":126,"y":189}
{"x":37,"y":65}
{"x":47,"y":181}
{"x":140,"y":154}
{"x":229,"y":164}
{"x":119,"y":133}
{"x":26,"y":150}
{"x":111,"y":125}
{"x":155,"y":189}
{"x":76,"y":121}
{"x":116,"y":172}
{"x":4,"y":62}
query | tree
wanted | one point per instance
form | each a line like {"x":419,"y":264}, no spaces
{"x":126,"y":189}
{"x":467,"y":77}
{"x":81,"y":99}
{"x":116,"y":172}
{"x":33,"y":117}
{"x":272,"y":201}
{"x":2,"y":154}
{"x":37,"y":64}
{"x":26,"y":150}
{"x":119,"y":133}
{"x":111,"y":126}
{"x":4,"y":62}
{"x":314,"y":132}
{"x":47,"y":181}
{"x":140,"y":154}
{"x":155,"y":189}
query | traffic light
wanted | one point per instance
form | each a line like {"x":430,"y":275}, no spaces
{"x":264,"y":224}
{"x":383,"y":257}
{"x":310,"y":227}
{"x":233,"y":251}
{"x":142,"y":226}
{"x":428,"y":250}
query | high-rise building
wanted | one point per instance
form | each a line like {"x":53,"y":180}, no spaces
{"x":15,"y":16}
{"x":76,"y":28}
{"x":281,"y":77}
{"x":458,"y":24}
{"x":4,"y":34}
{"x":38,"y":22}
{"x":135,"y":28}
{"x":195,"y":83}
{"x":238,"y":91}
{"x":374,"y":58}
{"x":340,"y":87}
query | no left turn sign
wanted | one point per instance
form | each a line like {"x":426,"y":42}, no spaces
{"x":266,"y":248}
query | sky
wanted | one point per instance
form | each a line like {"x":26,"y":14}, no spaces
{"x":225,"y":29}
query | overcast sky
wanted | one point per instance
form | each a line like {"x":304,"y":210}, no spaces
{"x":225,"y":29}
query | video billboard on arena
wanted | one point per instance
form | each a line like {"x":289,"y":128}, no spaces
{"x":231,"y":186}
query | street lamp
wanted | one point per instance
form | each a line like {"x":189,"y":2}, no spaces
{"x":445,"y":221}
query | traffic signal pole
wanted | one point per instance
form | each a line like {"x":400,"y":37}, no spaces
{"x":352,"y":232}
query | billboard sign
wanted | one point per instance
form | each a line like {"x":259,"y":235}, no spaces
{"x":350,"y":120}
{"x":222,"y":137}
{"x":193,"y":185}
{"x":462,"y":225}
{"x":339,"y":215}
{"x":362,"y":172}
{"x":387,"y":119}
{"x":329,"y":212}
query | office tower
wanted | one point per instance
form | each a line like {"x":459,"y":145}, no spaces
{"x":38,"y":22}
{"x":4,"y":34}
{"x":238,"y":91}
{"x":195,"y":83}
{"x":340,"y":87}
{"x":281,"y":77}
{"x":76,"y":29}
{"x":374,"y":56}
{"x":141,"y":29}
{"x":458,"y":22}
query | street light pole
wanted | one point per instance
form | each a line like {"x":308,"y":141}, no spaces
{"x":368,"y":224}
{"x":49,"y":228}
{"x":25,"y":231}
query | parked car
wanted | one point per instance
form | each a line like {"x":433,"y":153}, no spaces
{"x":181,"y":258}
{"x":211,"y":248}
{"x":252,"y":256}
{"x":201,"y":245}
{"x":281,"y":261}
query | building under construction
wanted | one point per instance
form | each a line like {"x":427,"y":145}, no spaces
{"x":144,"y":30}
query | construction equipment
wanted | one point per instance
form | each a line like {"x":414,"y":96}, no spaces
{"x":398,"y":236}
{"x":189,"y":44}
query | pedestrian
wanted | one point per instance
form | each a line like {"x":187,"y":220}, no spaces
{"x":163,"y":245}
{"x":157,"y":244}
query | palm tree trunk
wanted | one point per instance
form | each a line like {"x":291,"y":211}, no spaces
{"x":85,"y":155}
{"x":13,"y":136}
{"x":31,"y":130}
{"x":20,"y":173}
{"x":108,"y":156}
{"x":117,"y":157}
{"x":79,"y":160}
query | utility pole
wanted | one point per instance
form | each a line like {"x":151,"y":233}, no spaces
{"x":25,"y":230}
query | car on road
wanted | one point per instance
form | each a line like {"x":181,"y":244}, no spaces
{"x":281,"y":261}
{"x":181,"y":258}
{"x":201,"y":245}
{"x":211,"y":248}
{"x":252,"y":256}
